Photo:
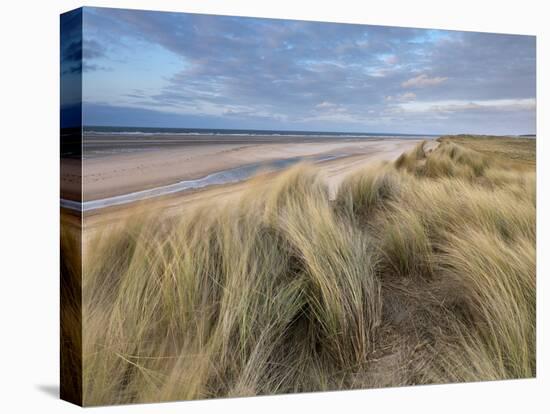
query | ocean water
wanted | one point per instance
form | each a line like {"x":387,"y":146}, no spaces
{"x":104,"y":141}
{"x":146,"y":131}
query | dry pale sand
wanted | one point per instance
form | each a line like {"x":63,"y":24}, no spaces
{"x":125,"y":173}
{"x":130,"y":172}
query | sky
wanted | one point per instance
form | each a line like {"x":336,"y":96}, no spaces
{"x":162,"y":69}
{"x":71,"y":69}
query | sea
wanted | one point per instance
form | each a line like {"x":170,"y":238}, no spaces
{"x":150,"y":131}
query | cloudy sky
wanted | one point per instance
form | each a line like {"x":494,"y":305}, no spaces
{"x":199,"y":71}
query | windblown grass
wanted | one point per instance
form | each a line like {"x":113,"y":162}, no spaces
{"x":421,"y":271}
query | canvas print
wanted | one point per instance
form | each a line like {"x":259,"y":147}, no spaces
{"x":257,"y":206}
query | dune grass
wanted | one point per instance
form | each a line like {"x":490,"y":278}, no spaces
{"x":420,"y":271}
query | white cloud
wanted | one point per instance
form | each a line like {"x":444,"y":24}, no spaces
{"x":451,"y":106}
{"x":408,"y":96}
{"x":378,"y":72}
{"x":404,"y":97}
{"x":325,"y":105}
{"x":391,"y":59}
{"x":330,"y":107}
{"x":421,"y":81}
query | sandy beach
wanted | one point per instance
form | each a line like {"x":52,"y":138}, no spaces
{"x":115,"y":174}
{"x":71,"y":177}
{"x":111,"y":175}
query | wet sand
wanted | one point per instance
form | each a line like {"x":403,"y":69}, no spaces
{"x":122,"y":173}
{"x":116,"y":174}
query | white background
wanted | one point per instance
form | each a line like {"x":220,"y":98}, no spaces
{"x":29,"y":231}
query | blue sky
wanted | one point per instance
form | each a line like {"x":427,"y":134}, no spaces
{"x":144,"y":68}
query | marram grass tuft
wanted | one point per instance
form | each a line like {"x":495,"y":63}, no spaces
{"x":421,"y":271}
